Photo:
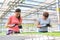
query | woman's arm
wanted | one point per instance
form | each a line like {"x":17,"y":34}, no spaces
{"x":7,"y":23}
{"x":38,"y":25}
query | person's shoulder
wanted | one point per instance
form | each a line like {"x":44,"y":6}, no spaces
{"x":10,"y":17}
{"x":49,"y":19}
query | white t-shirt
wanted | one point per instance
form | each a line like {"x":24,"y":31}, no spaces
{"x":43,"y":24}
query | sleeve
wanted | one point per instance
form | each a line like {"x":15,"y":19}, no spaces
{"x":9,"y":19}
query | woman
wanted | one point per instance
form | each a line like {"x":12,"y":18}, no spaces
{"x":14,"y":22}
{"x":43,"y":23}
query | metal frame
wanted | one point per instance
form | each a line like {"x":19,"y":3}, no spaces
{"x":29,"y":5}
{"x":15,"y":4}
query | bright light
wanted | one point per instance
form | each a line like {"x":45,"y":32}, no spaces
{"x":1,"y":1}
{"x":40,"y":0}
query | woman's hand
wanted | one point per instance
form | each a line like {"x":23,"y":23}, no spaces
{"x":8,"y":26}
{"x":38,"y":26}
{"x":19,"y":24}
{"x":12,"y":25}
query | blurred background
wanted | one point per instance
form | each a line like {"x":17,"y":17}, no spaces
{"x":31,"y":10}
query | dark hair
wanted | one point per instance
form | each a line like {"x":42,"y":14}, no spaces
{"x":18,"y":10}
{"x":46,"y":14}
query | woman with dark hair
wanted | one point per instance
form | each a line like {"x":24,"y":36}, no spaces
{"x":14,"y":22}
{"x":43,"y":23}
